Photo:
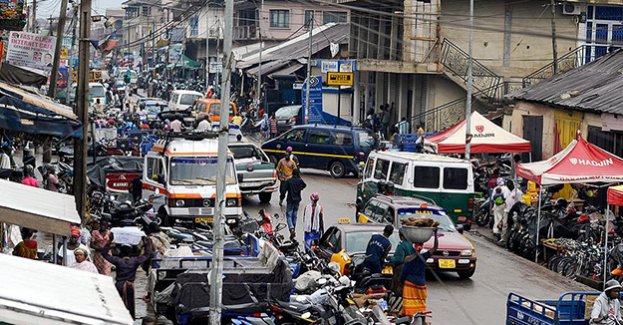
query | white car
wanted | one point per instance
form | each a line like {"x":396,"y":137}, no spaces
{"x":182,"y":99}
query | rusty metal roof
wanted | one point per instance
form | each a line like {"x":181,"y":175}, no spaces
{"x":594,"y":87}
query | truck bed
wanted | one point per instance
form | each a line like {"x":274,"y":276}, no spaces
{"x":569,"y":309}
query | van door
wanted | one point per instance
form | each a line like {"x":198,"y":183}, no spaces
{"x":297,"y":139}
{"x":319,"y":148}
{"x":154,"y":181}
{"x":457,"y":193}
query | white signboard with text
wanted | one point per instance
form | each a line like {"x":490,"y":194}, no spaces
{"x":31,"y":50}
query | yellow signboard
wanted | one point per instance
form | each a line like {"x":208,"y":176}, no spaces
{"x":340,"y":78}
{"x":94,"y":75}
{"x":64,"y":53}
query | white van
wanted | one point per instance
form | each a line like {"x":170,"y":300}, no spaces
{"x":447,"y":181}
{"x":181,"y":171}
{"x":182,"y":99}
{"x":97,"y":93}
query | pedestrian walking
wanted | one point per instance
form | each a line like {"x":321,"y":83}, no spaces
{"x":313,"y":219}
{"x":385,"y":117}
{"x":27,"y":248}
{"x":413,"y":277}
{"x":176,"y":125}
{"x":52,"y":182}
{"x":500,"y":195}
{"x":5,"y":159}
{"x":273,"y":125}
{"x":101,"y":236}
{"x":72,"y":244}
{"x":404,"y":249}
{"x":204,"y":124}
{"x":28,"y":158}
{"x":295,"y":186}
{"x":81,"y":261}
{"x":29,"y":176}
{"x":285,"y":169}
{"x":125,"y":271}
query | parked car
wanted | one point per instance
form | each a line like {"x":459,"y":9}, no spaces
{"x":284,"y":117}
{"x":338,"y":149}
{"x":256,"y":173}
{"x":213,"y":108}
{"x":455,"y":252}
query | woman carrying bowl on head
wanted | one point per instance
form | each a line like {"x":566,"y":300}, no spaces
{"x":413,"y":278}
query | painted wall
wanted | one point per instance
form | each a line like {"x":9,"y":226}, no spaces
{"x":517,"y":39}
{"x":297,"y":19}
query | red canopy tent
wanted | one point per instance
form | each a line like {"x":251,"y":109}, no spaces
{"x":487,"y":137}
{"x":579,"y":162}
{"x":615,"y":195}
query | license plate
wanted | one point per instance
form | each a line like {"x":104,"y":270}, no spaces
{"x":204,"y":220}
{"x":388,"y":269}
{"x":447,"y":264}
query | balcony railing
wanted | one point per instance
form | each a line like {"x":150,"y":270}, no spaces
{"x":242,"y":33}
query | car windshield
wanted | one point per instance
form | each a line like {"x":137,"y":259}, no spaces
{"x":445,"y":224}
{"x":366,"y":139}
{"x":357,"y":242}
{"x":97,"y":91}
{"x":243,"y":152}
{"x":189,"y":99}
{"x":198,"y":171}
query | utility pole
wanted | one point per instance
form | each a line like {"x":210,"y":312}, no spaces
{"x":259,"y":72}
{"x":62,"y":17}
{"x":82,"y":107}
{"x":34,"y":16}
{"x":470,"y":82}
{"x":216,"y":274}
{"x":217,"y":78}
{"x":554,"y":46}
{"x":309,"y":56}
{"x":208,"y":48}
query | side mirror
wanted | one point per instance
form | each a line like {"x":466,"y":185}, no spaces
{"x":460,"y":228}
{"x":240,"y":178}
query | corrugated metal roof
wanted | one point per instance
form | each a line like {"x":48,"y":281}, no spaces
{"x":296,"y":48}
{"x":592,"y":87}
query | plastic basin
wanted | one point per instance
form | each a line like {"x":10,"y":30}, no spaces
{"x":418,"y":234}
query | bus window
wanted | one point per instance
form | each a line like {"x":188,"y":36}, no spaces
{"x":382,"y":167}
{"x":397,"y":174}
{"x":455,"y":178}
{"x":426,"y":177}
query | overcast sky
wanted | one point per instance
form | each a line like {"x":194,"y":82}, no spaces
{"x":51,"y":7}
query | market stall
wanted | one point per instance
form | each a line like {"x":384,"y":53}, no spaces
{"x":487,"y":137}
{"x":580,"y":163}
{"x":34,"y":292}
{"x":39,"y":209}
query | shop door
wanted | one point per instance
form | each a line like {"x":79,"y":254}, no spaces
{"x":533,"y":132}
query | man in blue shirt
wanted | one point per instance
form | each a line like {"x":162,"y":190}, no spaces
{"x":377,"y":250}
{"x":413,"y":277}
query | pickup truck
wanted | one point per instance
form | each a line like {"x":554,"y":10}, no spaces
{"x":570,"y":309}
{"x":256,"y":173}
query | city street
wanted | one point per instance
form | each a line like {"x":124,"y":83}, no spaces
{"x":479,"y":300}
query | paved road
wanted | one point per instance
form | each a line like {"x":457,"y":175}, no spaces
{"x":479,"y":300}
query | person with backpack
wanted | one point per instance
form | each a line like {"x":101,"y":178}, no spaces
{"x":500,"y":194}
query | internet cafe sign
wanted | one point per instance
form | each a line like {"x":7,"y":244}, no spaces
{"x":31,"y":50}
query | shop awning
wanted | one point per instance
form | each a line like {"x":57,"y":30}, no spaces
{"x":37,"y":208}
{"x":286,"y":72}
{"x":185,"y":63}
{"x":487,"y":137}
{"x":23,"y":111}
{"x":579,"y":162}
{"x":35,"y":292}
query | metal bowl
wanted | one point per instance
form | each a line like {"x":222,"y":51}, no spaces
{"x":418,"y":234}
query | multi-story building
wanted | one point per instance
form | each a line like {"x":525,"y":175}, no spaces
{"x":141,"y":24}
{"x":413,"y":53}
{"x":204,"y":30}
{"x":274,"y":21}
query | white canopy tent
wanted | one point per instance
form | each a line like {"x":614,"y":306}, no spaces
{"x":34,"y":292}
{"x":37,"y":208}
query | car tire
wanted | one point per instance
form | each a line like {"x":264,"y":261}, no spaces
{"x":466,"y":274}
{"x":337,"y":169}
{"x":265,"y":197}
{"x":165,"y":220}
